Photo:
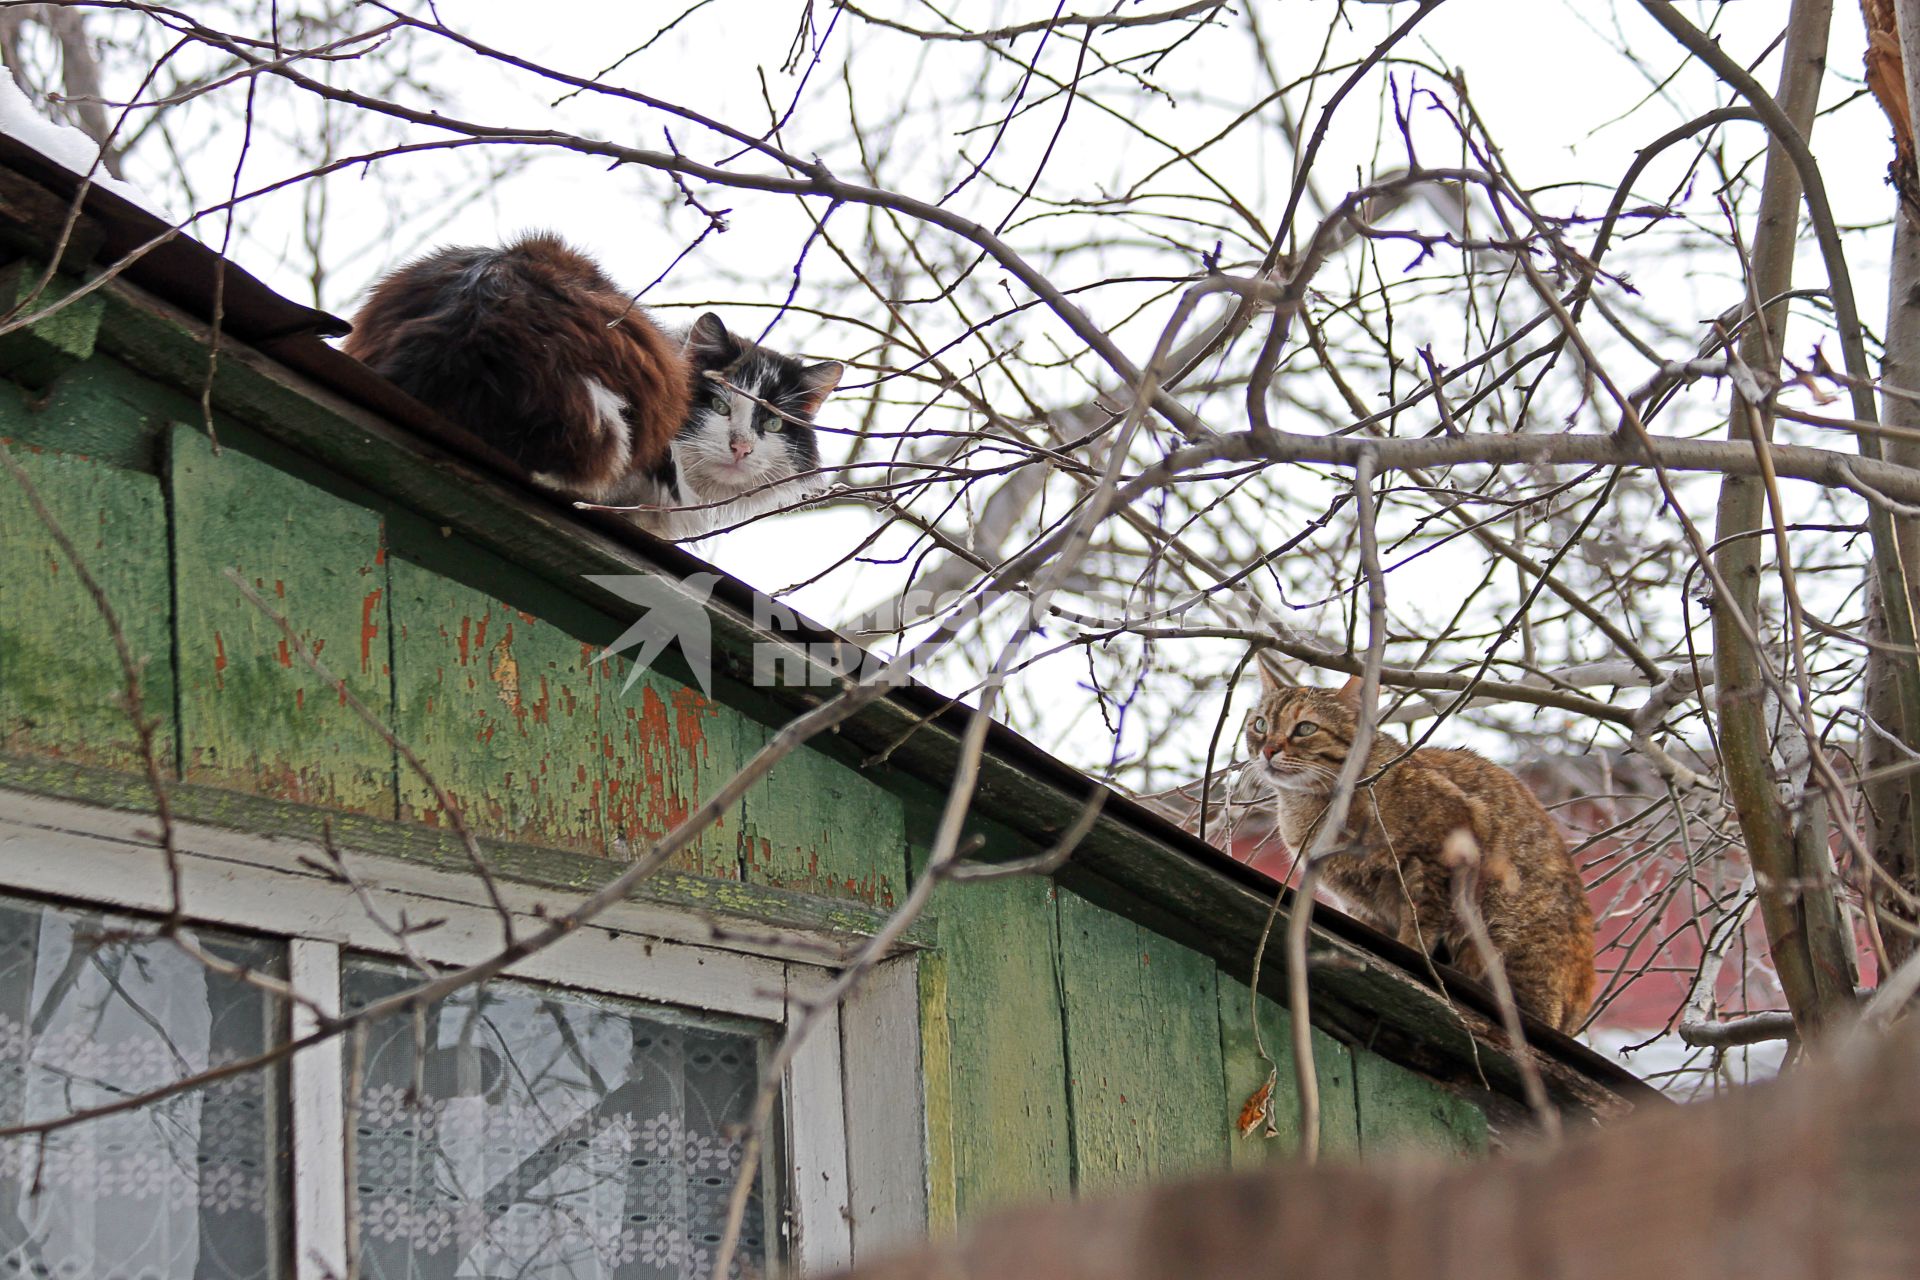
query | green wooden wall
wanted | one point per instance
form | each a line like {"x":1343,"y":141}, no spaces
{"x":477,"y":665}
{"x":1068,"y":1049}
{"x":1065,"y":1047}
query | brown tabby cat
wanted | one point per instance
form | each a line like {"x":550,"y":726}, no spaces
{"x":1392,"y":874}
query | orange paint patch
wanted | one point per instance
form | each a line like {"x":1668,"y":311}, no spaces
{"x":689,"y":710}
{"x":369,"y":629}
{"x":653,"y":732}
{"x":505,"y":672}
{"x":219,"y":653}
{"x":285,"y":655}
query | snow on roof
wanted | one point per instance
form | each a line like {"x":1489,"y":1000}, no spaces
{"x":64,"y":145}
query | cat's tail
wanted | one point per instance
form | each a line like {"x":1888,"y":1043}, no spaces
{"x":517,"y":345}
{"x":433,"y":327}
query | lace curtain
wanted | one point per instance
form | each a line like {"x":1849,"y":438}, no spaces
{"x":193,"y":1186}
{"x":524,"y":1131}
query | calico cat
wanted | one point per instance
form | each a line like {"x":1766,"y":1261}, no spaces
{"x":1392,"y":872}
{"x":532,"y":348}
{"x":747,"y":447}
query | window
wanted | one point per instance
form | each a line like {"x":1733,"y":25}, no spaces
{"x":576,"y":1119}
{"x":92,"y":1009}
{"x":519,"y":1130}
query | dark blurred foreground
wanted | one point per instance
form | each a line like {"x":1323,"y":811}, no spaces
{"x":1816,"y":1175}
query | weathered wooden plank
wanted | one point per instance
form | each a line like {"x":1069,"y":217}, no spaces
{"x":667,"y":748}
{"x":1004,"y":1047}
{"x":884,"y":1110}
{"x":816,"y":825}
{"x":1401,"y":1111}
{"x":252,"y":716}
{"x":502,"y":706}
{"x":1143,"y":1052}
{"x":1245,"y":1070}
{"x":936,"y":1084}
{"x":100,"y":409}
{"x":818,"y":1211}
{"x":61,"y":683}
{"x":39,"y":353}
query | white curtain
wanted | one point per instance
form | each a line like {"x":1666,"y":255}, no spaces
{"x":93,"y":1009}
{"x":521,"y":1131}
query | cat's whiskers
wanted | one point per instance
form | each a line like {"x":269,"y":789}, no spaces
{"x":1303,"y":775}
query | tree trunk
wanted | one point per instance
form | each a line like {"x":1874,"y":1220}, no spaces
{"x":1891,"y":829}
{"x":1797,"y":903}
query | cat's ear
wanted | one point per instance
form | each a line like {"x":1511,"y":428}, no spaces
{"x":709,"y":345}
{"x":1269,"y":678}
{"x":1349,"y":693}
{"x":817,"y":382}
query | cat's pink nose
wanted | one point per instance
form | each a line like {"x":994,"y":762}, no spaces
{"x":1266,"y":752}
{"x":741,"y":448}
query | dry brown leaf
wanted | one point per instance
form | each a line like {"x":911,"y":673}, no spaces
{"x":1259,"y":1110}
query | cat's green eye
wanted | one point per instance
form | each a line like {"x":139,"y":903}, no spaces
{"x":1259,"y":724}
{"x":1305,"y":728}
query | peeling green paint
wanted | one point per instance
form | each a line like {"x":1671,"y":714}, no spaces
{"x":1004,"y":1044}
{"x":1245,"y":1071}
{"x":252,"y":715}
{"x":1143,"y":1052}
{"x":937,"y":1103}
{"x":815,"y":825}
{"x":61,"y":682}
{"x":503,"y":708}
{"x":1400,"y":1112}
{"x":562,"y":870}
{"x":667,"y":749}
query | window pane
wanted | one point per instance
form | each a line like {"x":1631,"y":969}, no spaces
{"x":92,"y":1009}
{"x":546,"y":1133}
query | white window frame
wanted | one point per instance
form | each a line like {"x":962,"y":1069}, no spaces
{"x":856,"y":1163}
